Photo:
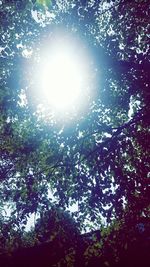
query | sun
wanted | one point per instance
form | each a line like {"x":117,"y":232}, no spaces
{"x":62,"y":80}
{"x":63,"y":76}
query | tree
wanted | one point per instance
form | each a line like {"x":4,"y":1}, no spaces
{"x":103,"y":165}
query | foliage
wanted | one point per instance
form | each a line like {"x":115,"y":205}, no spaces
{"x":98,"y":160}
{"x":123,"y":243}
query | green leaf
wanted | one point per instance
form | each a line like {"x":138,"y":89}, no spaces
{"x":46,"y":3}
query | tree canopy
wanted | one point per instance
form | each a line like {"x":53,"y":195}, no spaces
{"x":98,"y":159}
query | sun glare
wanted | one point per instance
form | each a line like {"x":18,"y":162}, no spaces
{"x":62,"y":80}
{"x":64,"y":76}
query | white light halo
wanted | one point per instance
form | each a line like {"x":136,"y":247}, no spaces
{"x":61,"y":80}
{"x":63,"y":77}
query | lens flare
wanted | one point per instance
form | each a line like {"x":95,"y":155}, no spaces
{"x":61,"y":75}
{"x":62,"y":80}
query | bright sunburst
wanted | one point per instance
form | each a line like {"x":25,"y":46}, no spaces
{"x":62,"y":80}
{"x":63,"y":75}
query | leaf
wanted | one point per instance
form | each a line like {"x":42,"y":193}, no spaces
{"x":106,"y":263}
{"x":44,"y":2}
{"x":125,"y":246}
